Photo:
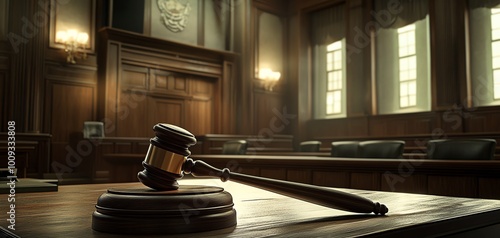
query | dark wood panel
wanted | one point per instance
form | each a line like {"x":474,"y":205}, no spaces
{"x":249,"y":170}
{"x":370,"y":181}
{"x":267,"y":117}
{"x":166,"y":111}
{"x":482,"y":119}
{"x":275,"y":173}
{"x":457,"y":186}
{"x":489,"y":187}
{"x":447,"y":43}
{"x":331,"y":179}
{"x":69,"y":163}
{"x":404,"y":182}
{"x":169,"y":82}
{"x":299,"y":175}
{"x":134,"y":77}
{"x":3,"y":103}
{"x":71,"y":105}
{"x":201,"y":88}
{"x":201,"y":117}
{"x":108,"y":85}
{"x":32,"y":153}
{"x":131,"y":115}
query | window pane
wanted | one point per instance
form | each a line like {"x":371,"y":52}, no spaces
{"x":336,"y":96}
{"x":403,"y":64}
{"x":337,"y":59}
{"x":403,"y":51}
{"x":412,"y":62}
{"x":495,"y":34}
{"x":329,"y":61}
{"x":412,"y":74}
{"x":339,"y":79}
{"x":402,"y":40}
{"x":495,"y":48}
{"x":412,"y":100}
{"x":403,"y":101}
{"x":411,"y":50}
{"x":412,"y":88}
{"x":495,"y":21}
{"x":330,"y":81}
{"x":496,"y":62}
{"x":329,"y":103}
{"x":337,"y":107}
{"x":403,"y":89}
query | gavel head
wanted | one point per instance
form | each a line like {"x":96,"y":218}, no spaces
{"x":166,"y":155}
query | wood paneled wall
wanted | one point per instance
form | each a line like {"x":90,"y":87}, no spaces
{"x":147,"y":81}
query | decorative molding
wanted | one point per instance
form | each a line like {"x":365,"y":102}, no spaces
{"x":174,"y":14}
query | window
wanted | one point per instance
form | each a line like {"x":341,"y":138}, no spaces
{"x":328,"y":46}
{"x":407,"y":67}
{"x":334,"y":74}
{"x":484,"y":54}
{"x":402,"y":59}
{"x":495,"y":50}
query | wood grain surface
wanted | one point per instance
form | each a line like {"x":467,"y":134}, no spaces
{"x":68,"y":213}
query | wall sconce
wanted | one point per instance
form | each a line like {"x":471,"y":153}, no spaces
{"x":74,"y":44}
{"x":268,"y":78}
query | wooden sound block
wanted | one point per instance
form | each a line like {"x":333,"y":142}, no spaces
{"x":190,"y":208}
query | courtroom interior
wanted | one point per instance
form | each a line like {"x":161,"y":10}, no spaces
{"x":385,"y":96}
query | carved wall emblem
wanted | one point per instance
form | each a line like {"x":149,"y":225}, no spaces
{"x":174,"y":14}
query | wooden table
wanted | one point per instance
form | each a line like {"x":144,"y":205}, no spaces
{"x":68,"y":213}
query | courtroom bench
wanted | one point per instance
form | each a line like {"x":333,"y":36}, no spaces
{"x":415,"y":145}
{"x":212,"y":143}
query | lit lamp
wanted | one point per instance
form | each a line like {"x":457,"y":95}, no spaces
{"x":74,"y":44}
{"x":269,"y":78}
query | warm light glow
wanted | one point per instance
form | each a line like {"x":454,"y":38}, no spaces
{"x":269,"y":78}
{"x":82,"y":38}
{"x":269,"y":74}
{"x":61,"y":37}
{"x":75,"y":43}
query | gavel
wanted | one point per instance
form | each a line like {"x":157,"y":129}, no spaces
{"x":168,"y":159}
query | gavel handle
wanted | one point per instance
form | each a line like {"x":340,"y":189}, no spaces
{"x":323,"y":196}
